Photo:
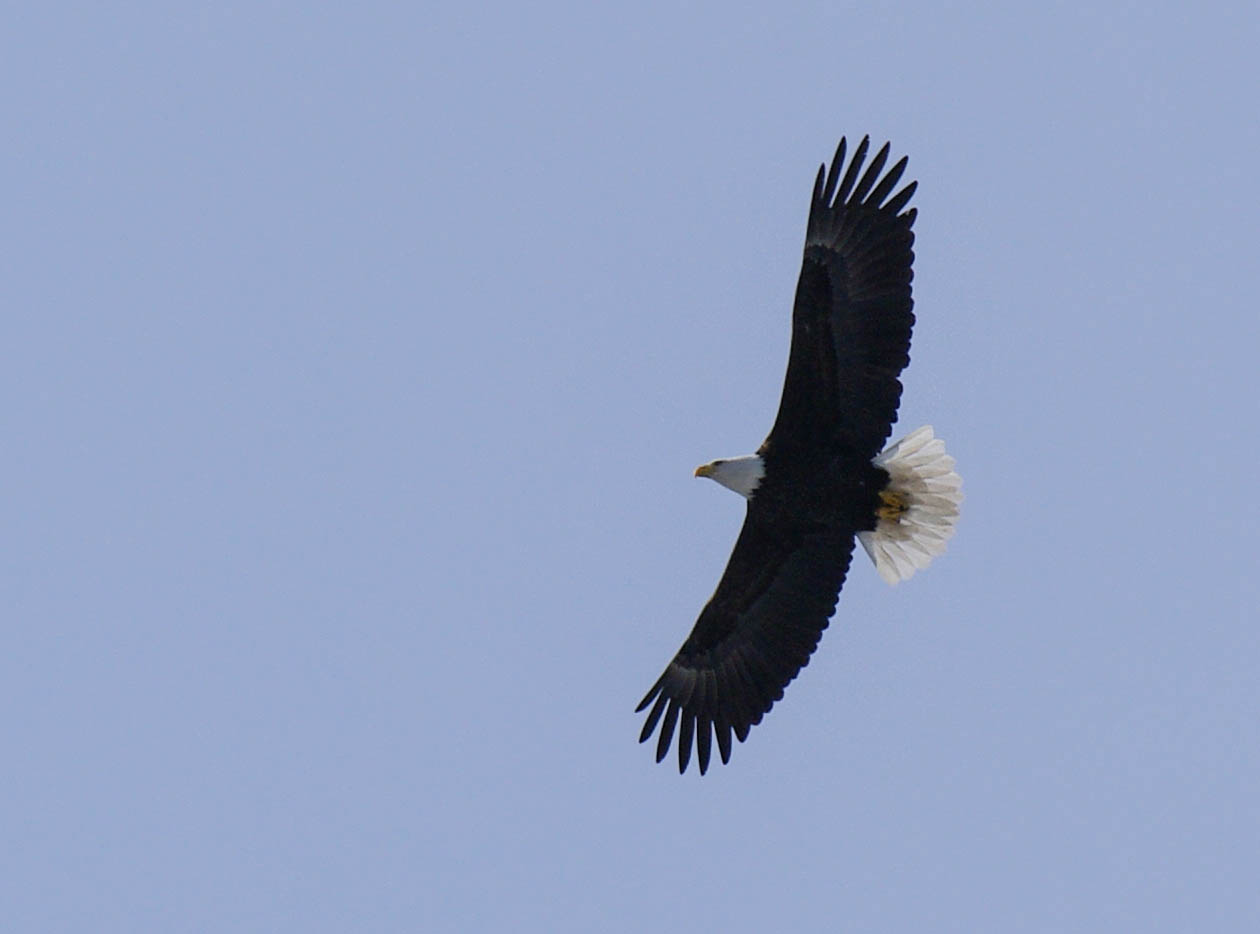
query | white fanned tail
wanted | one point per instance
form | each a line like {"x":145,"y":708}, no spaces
{"x":919,"y":508}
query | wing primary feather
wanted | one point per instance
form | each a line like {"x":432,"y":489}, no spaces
{"x":886,"y":183}
{"x":696,"y":697}
{"x":855,"y":166}
{"x":686,"y":730}
{"x":647,"y":698}
{"x":900,"y":199}
{"x":814,"y":203}
{"x":667,"y":730}
{"x":712,"y":692}
{"x":688,"y":688}
{"x":705,"y":707}
{"x":872,"y":173}
{"x":722,"y":727}
{"x":704,"y":740}
{"x":655,"y":715}
{"x":833,"y":175}
{"x":699,"y":700}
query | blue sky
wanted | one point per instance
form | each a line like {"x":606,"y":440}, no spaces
{"x":357,"y":360}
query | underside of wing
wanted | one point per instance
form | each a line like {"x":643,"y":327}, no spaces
{"x":853,"y":315}
{"x":756,"y":633}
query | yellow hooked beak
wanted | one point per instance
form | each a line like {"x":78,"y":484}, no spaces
{"x":704,"y":470}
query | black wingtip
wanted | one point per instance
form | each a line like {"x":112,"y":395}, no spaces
{"x":723,"y":730}
{"x":650,"y":724}
{"x":855,"y":166}
{"x":667,"y":730}
{"x":891,"y":177}
{"x":872,"y":173}
{"x":901,"y":198}
{"x":833,"y":174}
{"x":686,"y":730}
{"x":647,"y":698}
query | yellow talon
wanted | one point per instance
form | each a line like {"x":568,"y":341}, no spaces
{"x":894,"y":506}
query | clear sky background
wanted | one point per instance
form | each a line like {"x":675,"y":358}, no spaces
{"x":355,"y":360}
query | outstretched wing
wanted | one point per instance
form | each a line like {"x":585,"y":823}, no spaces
{"x":759,"y":629}
{"x":852,"y":318}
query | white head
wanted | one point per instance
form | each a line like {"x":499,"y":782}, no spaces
{"x":741,"y":474}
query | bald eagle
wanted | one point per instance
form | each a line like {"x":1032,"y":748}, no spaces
{"x":819,"y":480}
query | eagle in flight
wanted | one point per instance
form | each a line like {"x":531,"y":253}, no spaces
{"x":822,"y":479}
